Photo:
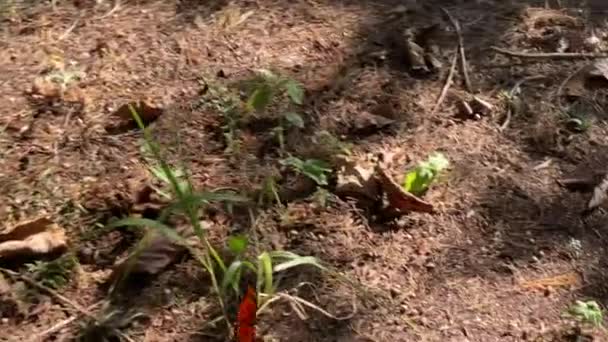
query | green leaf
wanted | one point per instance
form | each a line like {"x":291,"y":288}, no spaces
{"x":265,"y":278}
{"x":232,"y":276}
{"x":295,"y":91}
{"x":260,"y":98}
{"x":438,"y":162}
{"x":160,"y":174}
{"x":283,"y":255}
{"x":294,"y":162}
{"x":267,"y":75}
{"x":420,"y":179}
{"x":210,"y":196}
{"x":294,"y":119}
{"x":300,"y":260}
{"x":316,"y":170}
{"x":587,"y":312}
{"x":237,"y":244}
{"x":143,"y":223}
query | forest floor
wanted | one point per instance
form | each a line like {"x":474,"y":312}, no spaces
{"x":502,"y":257}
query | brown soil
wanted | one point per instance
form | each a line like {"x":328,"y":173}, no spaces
{"x":479,"y":269}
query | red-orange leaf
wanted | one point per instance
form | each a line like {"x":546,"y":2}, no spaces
{"x":245,"y":324}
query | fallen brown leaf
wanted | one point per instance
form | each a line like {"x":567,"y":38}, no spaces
{"x":152,"y":255}
{"x":366,"y":123}
{"x":357,"y":180}
{"x":32,"y":238}
{"x":600,"y":193}
{"x":398,"y":198}
{"x":123,"y":118}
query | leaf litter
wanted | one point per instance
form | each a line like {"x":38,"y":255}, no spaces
{"x":34,"y":238}
{"x":489,"y":157}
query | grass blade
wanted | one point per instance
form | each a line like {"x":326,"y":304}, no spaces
{"x":307,"y":260}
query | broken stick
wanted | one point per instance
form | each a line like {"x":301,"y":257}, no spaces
{"x":463,"y":59}
{"x":446,"y":86}
{"x":549,"y":55}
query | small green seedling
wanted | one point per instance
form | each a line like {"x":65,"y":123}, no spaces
{"x":264,"y":266}
{"x":315,"y":169}
{"x":588,"y":312}
{"x":266,"y":86}
{"x":418,"y":180}
{"x":54,"y":274}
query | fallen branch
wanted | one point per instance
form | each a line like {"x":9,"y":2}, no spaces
{"x":463,"y":59}
{"x":60,"y":325}
{"x":549,"y":55}
{"x":60,"y":298}
{"x":446,"y":86}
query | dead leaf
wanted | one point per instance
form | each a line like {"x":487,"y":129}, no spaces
{"x":156,"y":252}
{"x":232,"y":17}
{"x":357,"y":180}
{"x":124,"y":118}
{"x":414,"y":53}
{"x":36,"y":237}
{"x":44,"y":87}
{"x":599,"y":196}
{"x":398,"y":198}
{"x":365,"y":123}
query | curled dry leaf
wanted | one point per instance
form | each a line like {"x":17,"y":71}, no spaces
{"x":398,"y":199}
{"x":154,"y":253}
{"x":357,"y":180}
{"x":366,"y":123}
{"x":32,"y":238}
{"x":600,"y":193}
{"x":122,"y":118}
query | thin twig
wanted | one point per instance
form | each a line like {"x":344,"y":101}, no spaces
{"x":60,"y":298}
{"x":71,"y":28}
{"x":300,"y":301}
{"x":463,"y":59}
{"x":558,"y":93}
{"x":114,"y":9}
{"x":549,"y":55}
{"x":60,"y":325}
{"x":446,"y":86}
{"x":511,"y":94}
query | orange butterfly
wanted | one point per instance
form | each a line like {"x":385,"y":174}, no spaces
{"x":245,"y":320}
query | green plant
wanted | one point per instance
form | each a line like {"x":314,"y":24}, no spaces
{"x":331,"y":144}
{"x":186,"y":201}
{"x":264,"y":89}
{"x":264,"y":266}
{"x":418,"y":180}
{"x":579,"y":116}
{"x":269,"y":192}
{"x":54,"y":274}
{"x":588,"y":312}
{"x":266,"y":86}
{"x":229,"y":105}
{"x":260,"y":92}
{"x":288,"y":120}
{"x":315,"y":169}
